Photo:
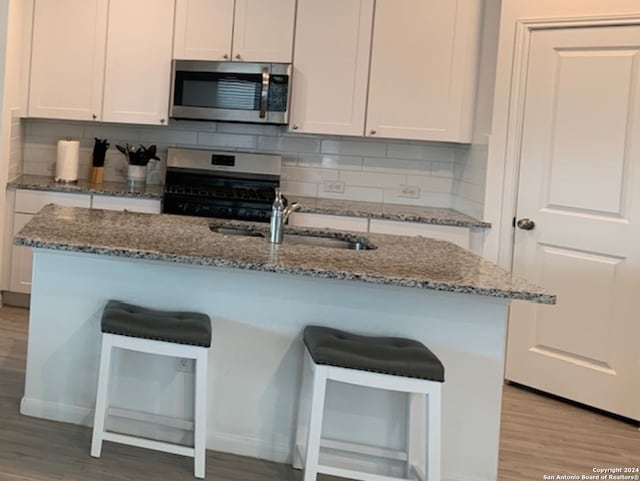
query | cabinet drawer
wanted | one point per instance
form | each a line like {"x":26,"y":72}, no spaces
{"x":149,"y":206}
{"x":31,"y":201}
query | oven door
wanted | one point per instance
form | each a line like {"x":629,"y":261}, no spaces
{"x":230,"y":91}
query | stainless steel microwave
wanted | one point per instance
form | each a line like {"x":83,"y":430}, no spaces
{"x":230,"y":91}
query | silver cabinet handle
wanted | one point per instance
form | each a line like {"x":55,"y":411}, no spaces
{"x":94,"y":116}
{"x":526,"y":224}
{"x":162,"y":121}
{"x":264,"y":95}
{"x":295,"y":127}
{"x":225,"y":56}
{"x":372,"y":132}
{"x":238,"y":56}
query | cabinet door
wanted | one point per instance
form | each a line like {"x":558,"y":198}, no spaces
{"x":423,"y":75}
{"x":138,"y":65}
{"x":149,"y":206}
{"x":203,"y":29}
{"x":263,"y":30}
{"x":336,"y":222}
{"x":456,"y":235}
{"x":67,"y":60}
{"x":329,"y":90}
{"x":21,"y":259}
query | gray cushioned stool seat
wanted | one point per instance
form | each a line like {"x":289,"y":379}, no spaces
{"x":387,"y":355}
{"x":170,"y":326}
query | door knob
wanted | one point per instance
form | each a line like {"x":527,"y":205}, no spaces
{"x":525,"y":224}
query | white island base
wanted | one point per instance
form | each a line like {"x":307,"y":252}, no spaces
{"x":255,"y":360}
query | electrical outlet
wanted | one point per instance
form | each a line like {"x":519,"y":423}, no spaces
{"x":335,"y":186}
{"x":184,"y":365}
{"x":410,"y":191}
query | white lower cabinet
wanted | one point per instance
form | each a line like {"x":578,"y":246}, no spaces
{"x":337,"y":222}
{"x":107,"y":202}
{"x":28,"y":203}
{"x":462,"y":236}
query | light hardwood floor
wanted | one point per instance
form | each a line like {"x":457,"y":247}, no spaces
{"x":539,"y":436}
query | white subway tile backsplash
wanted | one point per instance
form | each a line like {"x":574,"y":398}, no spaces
{"x":341,"y":162}
{"x":438,"y":152}
{"x":442,"y":169}
{"x":371,"y":170}
{"x":404,"y":151}
{"x":372,"y":179}
{"x":225,"y":141}
{"x":365,"y":194}
{"x":247,"y":129}
{"x":391,"y":165}
{"x":168,"y":136}
{"x":288,"y":144}
{"x":306,"y":189}
{"x":371,"y":148}
{"x":438,"y":185}
{"x":304,"y":174}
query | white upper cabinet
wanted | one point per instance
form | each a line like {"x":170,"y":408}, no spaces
{"x":409,"y":74}
{"x":104,"y":60}
{"x":203,"y":29}
{"x":423,"y":69}
{"x":137,"y":79}
{"x":239,"y":30}
{"x":329,"y":90}
{"x":67,"y":61}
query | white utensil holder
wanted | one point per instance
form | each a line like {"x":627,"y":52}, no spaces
{"x":137,"y":174}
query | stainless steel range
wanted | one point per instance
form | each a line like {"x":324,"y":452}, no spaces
{"x":228,"y":185}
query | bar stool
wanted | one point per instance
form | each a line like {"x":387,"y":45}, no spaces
{"x":175,"y":334}
{"x":388,"y":363}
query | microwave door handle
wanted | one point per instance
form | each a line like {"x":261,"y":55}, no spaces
{"x":264,"y":96}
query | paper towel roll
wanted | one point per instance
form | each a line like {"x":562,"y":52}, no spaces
{"x":67,"y":161}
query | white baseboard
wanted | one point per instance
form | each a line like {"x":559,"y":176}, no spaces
{"x":219,"y":441}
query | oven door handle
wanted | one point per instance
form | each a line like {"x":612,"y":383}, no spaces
{"x":264,"y":95}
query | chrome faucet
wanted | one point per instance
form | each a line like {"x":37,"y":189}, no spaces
{"x":279,"y":215}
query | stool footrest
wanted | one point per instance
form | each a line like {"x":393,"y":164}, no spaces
{"x":351,"y":474}
{"x":148,"y":443}
{"x":167,"y":421}
{"x":365,"y":449}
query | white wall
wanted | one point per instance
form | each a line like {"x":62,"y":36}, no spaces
{"x":499,"y":205}
{"x":12,"y":19}
{"x":470,"y":171}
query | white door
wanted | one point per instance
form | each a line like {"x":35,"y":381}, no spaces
{"x":331,"y":66}
{"x":263,"y":30}
{"x":138,"y":66}
{"x":67,"y":59}
{"x":580,"y":185}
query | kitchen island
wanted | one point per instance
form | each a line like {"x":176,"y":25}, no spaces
{"x":260,"y":297}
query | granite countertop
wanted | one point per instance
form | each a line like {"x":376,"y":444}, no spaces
{"x":414,"y":262}
{"x":371,"y":210}
{"x":120,"y":189}
{"x":400,"y":212}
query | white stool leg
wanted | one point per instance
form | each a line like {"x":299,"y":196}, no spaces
{"x":315,"y":423}
{"x":415,"y":418}
{"x":102,"y":396}
{"x":304,"y":408}
{"x":200,"y":418}
{"x":434,"y":406}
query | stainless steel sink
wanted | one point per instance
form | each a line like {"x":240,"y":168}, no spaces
{"x":235,"y":231}
{"x":322,"y":241}
{"x":336,"y":241}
